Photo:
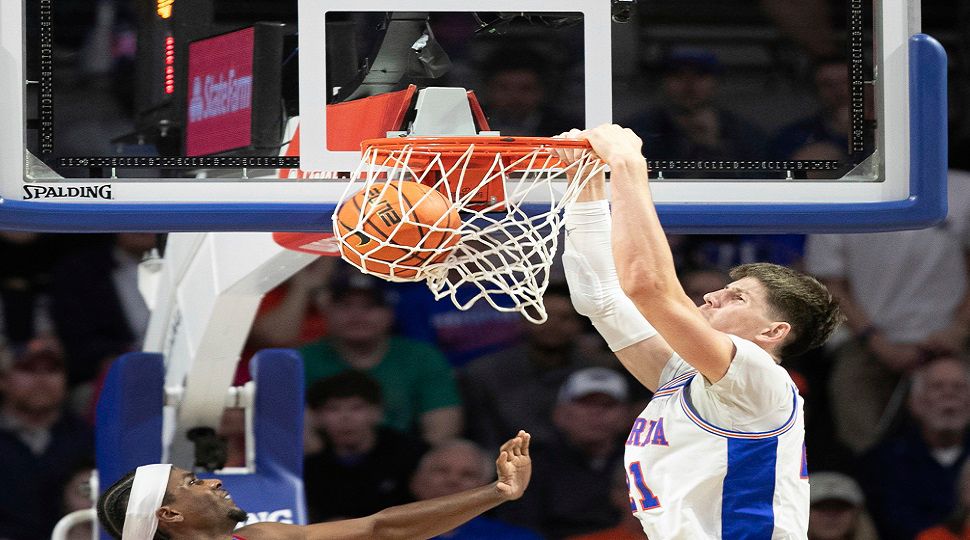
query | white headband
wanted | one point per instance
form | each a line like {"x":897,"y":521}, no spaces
{"x":147,"y":492}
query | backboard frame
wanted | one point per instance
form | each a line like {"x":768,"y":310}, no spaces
{"x":911,"y":193}
{"x":313,"y":110}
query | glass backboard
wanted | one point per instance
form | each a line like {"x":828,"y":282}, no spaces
{"x":206,"y":115}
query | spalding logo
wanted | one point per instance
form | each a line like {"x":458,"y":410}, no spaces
{"x":67,"y":192}
{"x":279,"y":516}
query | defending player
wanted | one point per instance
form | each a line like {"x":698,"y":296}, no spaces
{"x":180,"y":506}
{"x":719,"y":450}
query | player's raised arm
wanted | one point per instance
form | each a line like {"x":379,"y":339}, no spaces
{"x":426,"y":519}
{"x":593,"y":285}
{"x":175,"y":503}
{"x":645,"y":266}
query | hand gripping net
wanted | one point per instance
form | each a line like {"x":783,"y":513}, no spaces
{"x":509,"y":192}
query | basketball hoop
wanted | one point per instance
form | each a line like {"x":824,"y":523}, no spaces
{"x":509,"y":192}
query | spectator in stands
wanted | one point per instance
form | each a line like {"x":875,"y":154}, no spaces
{"x":808,"y":23}
{"x":40,"y":441}
{"x":721,"y":252}
{"x":453,"y":466}
{"x":25,"y":277}
{"x":911,"y":479}
{"x":462,"y":335}
{"x":419,"y":389}
{"x":837,"y":510}
{"x":687,"y":124}
{"x":830,"y":125}
{"x":516,"y":82}
{"x":906,"y":296}
{"x":96,"y":307}
{"x":570,"y":494}
{"x":957,"y":526}
{"x":292,"y":314}
{"x":363,"y":467}
{"x":629,"y":527}
{"x":518,"y":386}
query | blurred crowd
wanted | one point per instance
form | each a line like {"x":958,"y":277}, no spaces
{"x":404,"y":393}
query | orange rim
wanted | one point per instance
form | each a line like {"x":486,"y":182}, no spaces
{"x":449,"y":145}
{"x":424,"y":149}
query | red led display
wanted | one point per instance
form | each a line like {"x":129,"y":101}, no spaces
{"x":169,"y":65}
{"x":220,"y":93}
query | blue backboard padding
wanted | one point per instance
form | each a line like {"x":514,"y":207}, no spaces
{"x":278,"y":428}
{"x":129,"y":416}
{"x":925,"y":206}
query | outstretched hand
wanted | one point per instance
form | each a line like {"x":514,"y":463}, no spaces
{"x":514,"y":466}
{"x":613,"y":143}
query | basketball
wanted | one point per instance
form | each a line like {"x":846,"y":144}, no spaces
{"x":396,"y":228}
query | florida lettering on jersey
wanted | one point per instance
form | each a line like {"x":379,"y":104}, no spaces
{"x":646,"y":432}
{"x":690,"y":477}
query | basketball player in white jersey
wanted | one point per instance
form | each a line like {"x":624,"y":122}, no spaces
{"x":719,"y":450}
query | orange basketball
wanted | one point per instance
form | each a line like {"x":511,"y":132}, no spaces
{"x":407,"y":214}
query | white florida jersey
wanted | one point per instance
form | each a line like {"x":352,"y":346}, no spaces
{"x":695,"y":472}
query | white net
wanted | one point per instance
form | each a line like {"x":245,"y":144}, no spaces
{"x":509,"y":201}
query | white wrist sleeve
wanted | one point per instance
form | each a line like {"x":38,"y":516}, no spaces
{"x":591,"y":274}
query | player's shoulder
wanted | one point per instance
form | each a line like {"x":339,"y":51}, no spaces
{"x":749,"y":360}
{"x":747,"y":349}
{"x":750,"y":356}
{"x":674,"y":370}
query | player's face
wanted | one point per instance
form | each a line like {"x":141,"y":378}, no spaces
{"x":741,"y":308}
{"x":201,"y":502}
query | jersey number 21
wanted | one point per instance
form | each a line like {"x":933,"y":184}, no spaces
{"x":647,"y":499}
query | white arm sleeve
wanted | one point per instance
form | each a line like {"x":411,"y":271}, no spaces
{"x":591,"y":274}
